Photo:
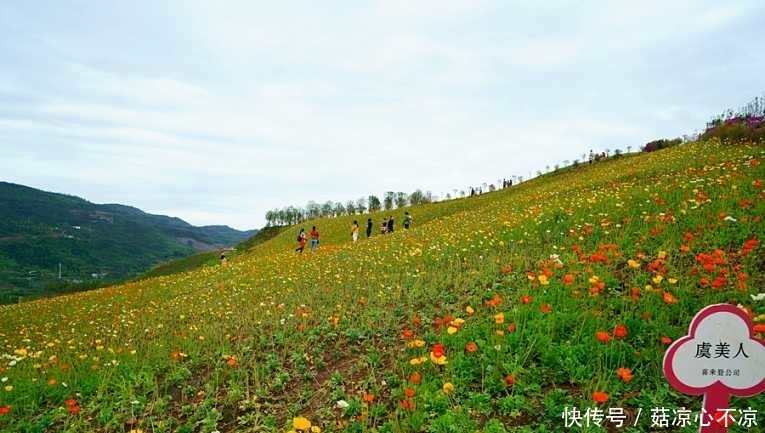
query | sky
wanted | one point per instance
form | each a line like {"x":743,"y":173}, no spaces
{"x":216,"y":112}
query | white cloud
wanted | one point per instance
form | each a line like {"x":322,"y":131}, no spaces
{"x":270,"y":105}
{"x":543,"y":53}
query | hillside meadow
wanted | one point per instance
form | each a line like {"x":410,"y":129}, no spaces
{"x":492,"y":313}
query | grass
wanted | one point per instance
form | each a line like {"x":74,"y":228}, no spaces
{"x":484,"y":316}
{"x":211,"y":258}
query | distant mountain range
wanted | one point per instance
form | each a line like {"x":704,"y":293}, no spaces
{"x":52,"y":242}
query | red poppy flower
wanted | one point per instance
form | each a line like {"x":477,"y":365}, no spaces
{"x":620,"y":331}
{"x":471,"y":347}
{"x":438,"y":350}
{"x":409,"y":392}
{"x":525,"y":299}
{"x":5,"y":410}
{"x":509,"y":380}
{"x":599,"y":397}
{"x":723,"y":419}
{"x":603,"y":336}
{"x":546,"y":308}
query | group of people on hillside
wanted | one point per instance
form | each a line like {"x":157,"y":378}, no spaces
{"x":387,"y":226}
{"x":302,"y":240}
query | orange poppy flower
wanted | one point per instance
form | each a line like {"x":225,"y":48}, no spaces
{"x":624,"y":373}
{"x":603,"y":336}
{"x":415,"y":378}
{"x":493,"y":302}
{"x":471,"y":347}
{"x":669,"y":299}
{"x":635,"y":294}
{"x":409,"y":392}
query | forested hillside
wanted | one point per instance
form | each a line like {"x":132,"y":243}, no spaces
{"x":53,"y":242}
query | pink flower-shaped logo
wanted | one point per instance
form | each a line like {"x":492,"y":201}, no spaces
{"x":720,"y":349}
{"x":719,"y":357}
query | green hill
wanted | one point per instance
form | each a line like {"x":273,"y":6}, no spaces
{"x":40,"y":231}
{"x":497,"y":313}
{"x":211,"y":258}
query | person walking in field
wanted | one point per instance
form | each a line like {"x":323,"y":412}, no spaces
{"x":390,"y":224}
{"x":355,"y":231}
{"x":314,"y":238}
{"x":369,"y":227}
{"x":384,"y":227}
{"x":407,"y":220}
{"x":302,"y":240}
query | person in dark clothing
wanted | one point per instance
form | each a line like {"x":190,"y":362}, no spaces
{"x":369,"y":227}
{"x":390,"y":225}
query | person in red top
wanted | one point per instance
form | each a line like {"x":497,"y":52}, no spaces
{"x":314,"y":238}
{"x":302,"y":240}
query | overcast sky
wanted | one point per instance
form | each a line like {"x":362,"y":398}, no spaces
{"x":217,"y":111}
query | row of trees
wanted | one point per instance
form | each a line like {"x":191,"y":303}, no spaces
{"x":291,"y":215}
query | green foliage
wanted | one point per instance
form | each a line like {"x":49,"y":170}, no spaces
{"x":736,"y":132}
{"x":95,"y":245}
{"x":663,"y":143}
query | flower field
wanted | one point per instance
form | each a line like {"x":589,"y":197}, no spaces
{"x":492,"y":313}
